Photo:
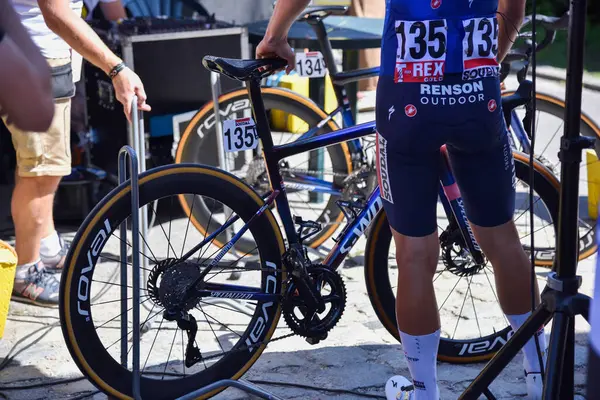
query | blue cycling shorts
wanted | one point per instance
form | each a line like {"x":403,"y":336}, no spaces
{"x":414,"y":120}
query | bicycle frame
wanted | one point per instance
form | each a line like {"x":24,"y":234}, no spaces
{"x":449,"y":194}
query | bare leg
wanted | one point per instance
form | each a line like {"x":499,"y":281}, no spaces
{"x":512,"y":271}
{"x":416,"y":310}
{"x":31,"y":208}
{"x":416,"y":307}
{"x":512,"y":267}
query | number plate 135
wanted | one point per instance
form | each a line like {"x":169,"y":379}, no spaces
{"x":239,"y":134}
{"x":310,"y":64}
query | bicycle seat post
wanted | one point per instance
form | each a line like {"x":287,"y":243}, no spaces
{"x":319,"y":27}
{"x":272,"y":161}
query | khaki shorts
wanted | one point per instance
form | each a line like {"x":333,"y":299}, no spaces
{"x":46,"y":153}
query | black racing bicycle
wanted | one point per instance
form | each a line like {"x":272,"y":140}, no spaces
{"x":211,"y":328}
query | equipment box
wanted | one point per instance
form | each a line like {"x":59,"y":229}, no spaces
{"x":167,"y":55}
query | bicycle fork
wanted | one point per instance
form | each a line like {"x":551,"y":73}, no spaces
{"x":455,"y":209}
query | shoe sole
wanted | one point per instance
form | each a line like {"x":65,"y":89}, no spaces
{"x":26,"y":300}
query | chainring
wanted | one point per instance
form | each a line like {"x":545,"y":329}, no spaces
{"x":316,"y":325}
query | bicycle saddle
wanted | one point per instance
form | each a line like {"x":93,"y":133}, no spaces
{"x":243,"y":70}
{"x":322,"y":11}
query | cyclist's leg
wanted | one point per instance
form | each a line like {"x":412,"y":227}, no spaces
{"x":482,"y":162}
{"x":408,"y":170}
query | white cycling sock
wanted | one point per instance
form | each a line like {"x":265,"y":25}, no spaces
{"x":50,"y":245}
{"x":421,"y":353}
{"x":531,"y":361}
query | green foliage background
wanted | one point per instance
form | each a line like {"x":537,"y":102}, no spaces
{"x":555,"y":55}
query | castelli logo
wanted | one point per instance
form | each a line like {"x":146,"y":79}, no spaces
{"x":410,"y":110}
{"x":492,"y":105}
{"x":435,"y":4}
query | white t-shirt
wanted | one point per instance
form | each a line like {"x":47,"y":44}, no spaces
{"x":51,"y":46}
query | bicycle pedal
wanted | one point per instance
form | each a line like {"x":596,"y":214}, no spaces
{"x":316,"y":340}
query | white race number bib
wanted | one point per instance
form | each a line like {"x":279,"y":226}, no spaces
{"x":421,"y":54}
{"x":310,"y":64}
{"x":480,"y":48}
{"x":239,"y":134}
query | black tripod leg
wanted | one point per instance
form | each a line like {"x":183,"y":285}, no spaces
{"x":493,"y":368}
{"x":556,"y":353}
{"x":567,"y":386}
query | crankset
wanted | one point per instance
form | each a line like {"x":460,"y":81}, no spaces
{"x":305,"y":320}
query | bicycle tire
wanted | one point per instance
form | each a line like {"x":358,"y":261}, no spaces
{"x":553,"y":105}
{"x":189,"y":148}
{"x":83,"y":343}
{"x":383,"y":298}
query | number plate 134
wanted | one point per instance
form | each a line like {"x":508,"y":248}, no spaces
{"x":310,"y":64}
{"x":239,"y":134}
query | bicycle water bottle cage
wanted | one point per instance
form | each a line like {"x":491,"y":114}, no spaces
{"x":243,"y":70}
{"x":350,"y":207}
{"x":312,"y":228}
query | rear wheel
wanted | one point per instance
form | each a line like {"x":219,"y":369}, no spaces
{"x":550,"y":124}
{"x":472,"y":323}
{"x":232,"y":331}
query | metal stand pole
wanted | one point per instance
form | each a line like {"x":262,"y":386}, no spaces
{"x":239,"y":384}
{"x":129,"y":154}
{"x":560,"y":300}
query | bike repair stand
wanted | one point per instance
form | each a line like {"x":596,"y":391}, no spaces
{"x":561,"y":301}
{"x":127,"y":153}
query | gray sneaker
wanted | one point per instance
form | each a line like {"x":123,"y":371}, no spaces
{"x":56,"y":263}
{"x":36,"y":286}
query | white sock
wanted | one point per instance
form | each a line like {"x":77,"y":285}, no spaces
{"x":421,"y":353}
{"x":530,"y":361}
{"x":22,"y":270}
{"x":50,"y":246}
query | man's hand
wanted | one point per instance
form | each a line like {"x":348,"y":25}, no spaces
{"x":127,"y":84}
{"x":272,"y":48}
{"x":275,"y":44}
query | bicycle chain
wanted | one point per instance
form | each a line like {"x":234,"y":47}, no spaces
{"x":313,"y":172}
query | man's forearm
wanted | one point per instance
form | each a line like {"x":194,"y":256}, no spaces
{"x":77,"y":33}
{"x":284,"y":15}
{"x":510,"y":17}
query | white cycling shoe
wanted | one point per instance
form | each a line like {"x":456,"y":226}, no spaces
{"x":399,"y":388}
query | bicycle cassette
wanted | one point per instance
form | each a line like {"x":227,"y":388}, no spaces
{"x":314,"y":326}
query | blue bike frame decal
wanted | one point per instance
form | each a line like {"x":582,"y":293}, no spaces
{"x":353,"y":231}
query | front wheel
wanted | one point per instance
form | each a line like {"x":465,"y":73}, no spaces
{"x":234,"y":323}
{"x":473,"y":326}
